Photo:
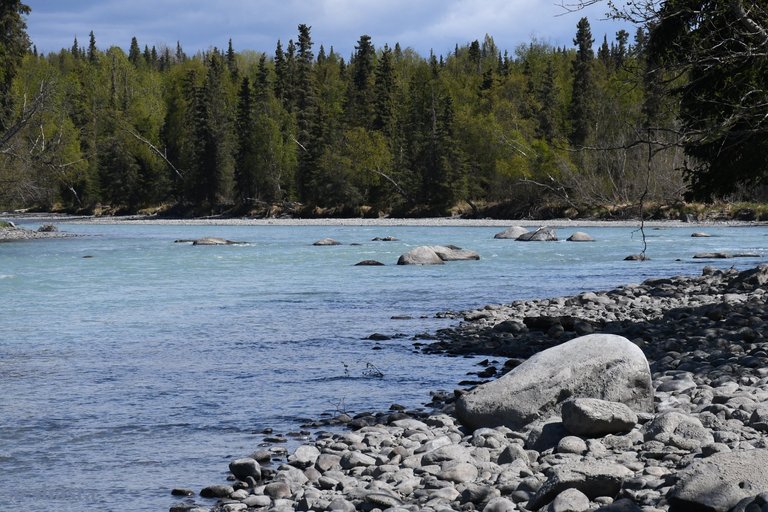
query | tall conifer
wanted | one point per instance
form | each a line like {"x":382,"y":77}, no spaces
{"x":582,"y":103}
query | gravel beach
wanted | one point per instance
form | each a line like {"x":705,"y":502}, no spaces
{"x":699,"y":444}
{"x":383,"y":222}
{"x":15,"y":233}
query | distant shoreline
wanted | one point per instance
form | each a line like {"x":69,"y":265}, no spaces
{"x":363,"y":222}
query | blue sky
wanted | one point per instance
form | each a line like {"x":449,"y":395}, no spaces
{"x":258,"y":24}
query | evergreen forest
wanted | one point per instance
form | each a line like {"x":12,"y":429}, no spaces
{"x":300,"y":129}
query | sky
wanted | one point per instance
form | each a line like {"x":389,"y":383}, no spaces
{"x":422,"y":25}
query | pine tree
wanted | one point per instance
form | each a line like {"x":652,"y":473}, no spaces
{"x":213,"y":158}
{"x":75,"y":50}
{"x":620,"y":55}
{"x":308,"y":136}
{"x":547,"y":115}
{"x":134,"y":53}
{"x":14,"y":44}
{"x":262,"y":80}
{"x":246,"y":162}
{"x":281,"y":75}
{"x":93,"y":53}
{"x":359,"y":101}
{"x":384,"y":94}
{"x":231,"y":59}
{"x":604,"y":52}
{"x":582,"y":102}
{"x":180,"y":55}
{"x":475,"y":56}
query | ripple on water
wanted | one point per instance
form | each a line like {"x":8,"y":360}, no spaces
{"x":147,"y":366}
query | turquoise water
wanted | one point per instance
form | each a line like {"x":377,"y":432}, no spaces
{"x":130,"y":364}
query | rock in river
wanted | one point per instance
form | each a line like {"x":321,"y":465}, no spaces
{"x":543,"y":234}
{"x":580,"y":236}
{"x":436,"y":255}
{"x":327,"y":241}
{"x":511,"y":233}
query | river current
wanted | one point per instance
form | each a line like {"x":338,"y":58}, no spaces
{"x":130,"y":364}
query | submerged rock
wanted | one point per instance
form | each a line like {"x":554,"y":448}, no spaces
{"x":369,"y":263}
{"x":327,"y":241}
{"x":580,"y":236}
{"x":208,"y":240}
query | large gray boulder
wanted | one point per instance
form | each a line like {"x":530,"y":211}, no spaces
{"x":720,"y":481}
{"x":543,"y":234}
{"x":436,"y":255}
{"x":603,"y":366}
{"x":511,"y":233}
{"x":453,"y":253}
{"x":422,"y":255}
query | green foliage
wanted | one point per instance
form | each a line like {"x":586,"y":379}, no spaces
{"x":718,"y":50}
{"x":390,"y":129}
{"x":13,"y":46}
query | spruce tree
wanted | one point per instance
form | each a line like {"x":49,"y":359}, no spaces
{"x":246,"y":161}
{"x":180,"y":55}
{"x":281,"y":75}
{"x":547,"y":115}
{"x":308,"y":134}
{"x":14,"y":44}
{"x":604,"y":52}
{"x":75,"y":50}
{"x":620,"y":55}
{"x":93,"y":53}
{"x":231,"y":59}
{"x":582,"y":101}
{"x":134,"y":53}
{"x":359,"y":101}
{"x":384,"y":94}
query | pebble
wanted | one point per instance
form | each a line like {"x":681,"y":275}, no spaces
{"x":707,"y":346}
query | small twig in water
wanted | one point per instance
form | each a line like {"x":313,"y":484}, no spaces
{"x":371,"y":370}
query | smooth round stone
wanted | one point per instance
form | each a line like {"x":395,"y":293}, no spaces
{"x":217,"y":491}
{"x":572,"y":444}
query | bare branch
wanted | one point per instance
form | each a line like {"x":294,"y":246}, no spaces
{"x":154,"y":148}
{"x":400,"y":190}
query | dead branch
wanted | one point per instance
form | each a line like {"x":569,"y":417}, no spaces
{"x":154,"y":148}
{"x":400,"y":190}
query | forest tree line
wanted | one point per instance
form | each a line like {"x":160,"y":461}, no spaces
{"x":382,"y":131}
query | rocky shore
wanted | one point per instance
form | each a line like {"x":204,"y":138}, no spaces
{"x":648,"y":397}
{"x":9,"y":232}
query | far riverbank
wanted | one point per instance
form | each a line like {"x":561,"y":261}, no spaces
{"x":363,"y":222}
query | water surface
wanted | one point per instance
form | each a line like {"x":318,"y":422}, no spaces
{"x":130,"y":364}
